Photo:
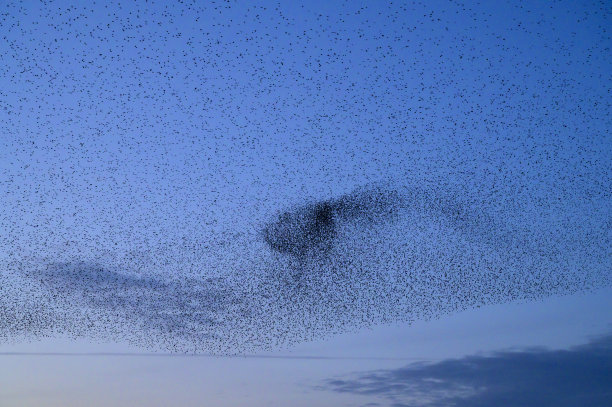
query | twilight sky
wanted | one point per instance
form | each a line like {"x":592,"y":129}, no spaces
{"x":367,"y":184}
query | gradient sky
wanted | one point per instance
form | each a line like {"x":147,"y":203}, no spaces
{"x":171,"y":132}
{"x":556,"y":323}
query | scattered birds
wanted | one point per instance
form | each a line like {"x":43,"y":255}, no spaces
{"x":223,"y":178}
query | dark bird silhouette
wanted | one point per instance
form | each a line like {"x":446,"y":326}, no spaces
{"x":221,"y":177}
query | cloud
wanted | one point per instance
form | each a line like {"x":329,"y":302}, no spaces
{"x":580,"y":376}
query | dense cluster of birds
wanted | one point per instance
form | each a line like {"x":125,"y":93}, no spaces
{"x":221,"y":178}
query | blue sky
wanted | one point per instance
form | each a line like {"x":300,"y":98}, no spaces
{"x":551,"y":325}
{"x":463,"y":150}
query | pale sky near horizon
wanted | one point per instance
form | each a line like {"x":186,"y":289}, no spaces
{"x":52,"y":380}
{"x":145,"y":147}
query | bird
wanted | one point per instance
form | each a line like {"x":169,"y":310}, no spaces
{"x":226,"y":178}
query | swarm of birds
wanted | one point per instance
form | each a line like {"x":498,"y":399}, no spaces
{"x":223,"y":178}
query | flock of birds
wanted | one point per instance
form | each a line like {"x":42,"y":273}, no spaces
{"x":219,"y":178}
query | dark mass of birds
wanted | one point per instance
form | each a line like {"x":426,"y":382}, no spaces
{"x":213,"y":177}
